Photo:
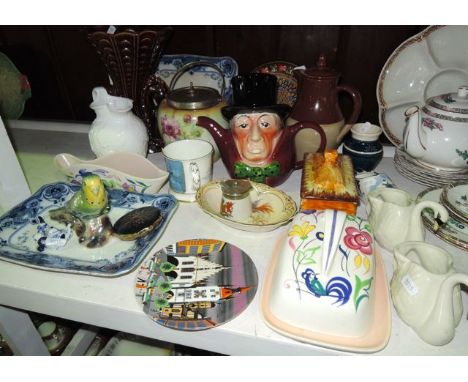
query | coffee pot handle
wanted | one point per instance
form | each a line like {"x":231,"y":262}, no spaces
{"x":294,"y":129}
{"x":357,"y":104}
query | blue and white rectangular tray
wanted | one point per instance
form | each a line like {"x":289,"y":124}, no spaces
{"x":19,"y":226}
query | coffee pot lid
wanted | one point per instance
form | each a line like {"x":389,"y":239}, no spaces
{"x":321,"y":70}
{"x":193,"y":97}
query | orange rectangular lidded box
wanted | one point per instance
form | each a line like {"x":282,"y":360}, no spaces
{"x":328,"y":182}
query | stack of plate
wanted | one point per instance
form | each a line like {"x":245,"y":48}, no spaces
{"x":424,"y":174}
{"x":455,"y":198}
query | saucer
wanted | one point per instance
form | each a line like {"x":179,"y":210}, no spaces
{"x":424,"y":174}
{"x":453,"y":231}
{"x":196,"y":284}
{"x":455,"y":198}
{"x":272,"y":208}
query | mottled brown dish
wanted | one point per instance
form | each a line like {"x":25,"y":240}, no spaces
{"x":328,"y":183}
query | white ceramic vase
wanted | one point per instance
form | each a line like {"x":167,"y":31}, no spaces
{"x":116,"y":128}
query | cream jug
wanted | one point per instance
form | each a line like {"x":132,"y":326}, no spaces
{"x":116,"y":128}
{"x":425,"y":290}
{"x":395,"y":217}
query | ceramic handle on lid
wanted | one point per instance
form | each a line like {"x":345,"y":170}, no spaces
{"x":357,"y":104}
{"x":463,"y":91}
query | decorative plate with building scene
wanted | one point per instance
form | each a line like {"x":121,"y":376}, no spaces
{"x":196,"y":284}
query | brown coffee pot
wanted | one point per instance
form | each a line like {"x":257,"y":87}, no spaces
{"x":317,"y":101}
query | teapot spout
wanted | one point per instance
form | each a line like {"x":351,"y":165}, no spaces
{"x":222,"y":137}
{"x":414,"y":139}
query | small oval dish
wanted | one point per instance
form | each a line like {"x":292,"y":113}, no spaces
{"x":127,"y":171}
{"x":271,"y":208}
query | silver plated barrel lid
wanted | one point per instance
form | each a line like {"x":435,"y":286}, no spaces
{"x":193,"y":97}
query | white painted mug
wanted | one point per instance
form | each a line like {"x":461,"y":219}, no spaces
{"x":190,"y":166}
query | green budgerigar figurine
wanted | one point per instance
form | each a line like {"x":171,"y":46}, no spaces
{"x":91,"y":200}
{"x":86,"y":212}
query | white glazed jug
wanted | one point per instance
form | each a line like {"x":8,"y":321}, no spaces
{"x":116,"y":128}
{"x":395,"y":217}
{"x":425,"y":290}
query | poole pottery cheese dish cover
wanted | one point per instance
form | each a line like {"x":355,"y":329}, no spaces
{"x":326,"y":284}
{"x":21,"y":228}
{"x":130,"y":172}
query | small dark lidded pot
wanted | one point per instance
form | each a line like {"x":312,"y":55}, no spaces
{"x":138,"y":223}
{"x":363,"y":146}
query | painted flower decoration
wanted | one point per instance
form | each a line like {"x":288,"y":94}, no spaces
{"x":432,"y":124}
{"x":187,"y":118}
{"x":128,"y":187}
{"x":358,"y":240}
{"x":282,"y":68}
{"x":301,"y":230}
{"x":170,"y":127}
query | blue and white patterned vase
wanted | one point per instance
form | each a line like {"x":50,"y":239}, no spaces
{"x":364,"y":147}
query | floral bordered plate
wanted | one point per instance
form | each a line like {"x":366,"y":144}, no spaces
{"x":196,"y":284}
{"x":455,"y":198}
{"x":428,"y":64}
{"x":453,"y":231}
{"x":272,"y":208}
{"x":416,"y":171}
{"x":287,"y":83}
{"x":19,"y":226}
{"x":200,"y":75}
